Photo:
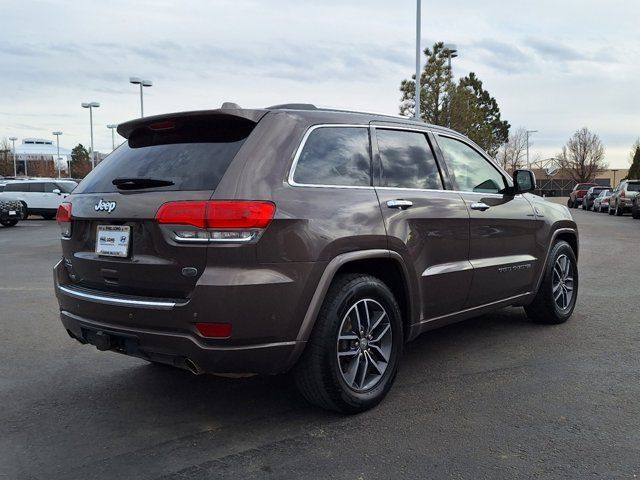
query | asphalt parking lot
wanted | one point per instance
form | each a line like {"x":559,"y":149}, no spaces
{"x":493,"y":397}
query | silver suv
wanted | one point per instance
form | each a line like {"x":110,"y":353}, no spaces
{"x":622,"y":197}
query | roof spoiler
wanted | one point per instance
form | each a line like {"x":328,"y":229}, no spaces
{"x":155,"y":122}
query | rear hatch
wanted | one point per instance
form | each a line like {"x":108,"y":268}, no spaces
{"x":115,"y":243}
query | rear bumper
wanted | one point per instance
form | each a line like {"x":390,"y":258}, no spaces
{"x":182,"y":349}
{"x":264,"y":308}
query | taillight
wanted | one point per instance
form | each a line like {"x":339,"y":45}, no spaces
{"x":217,"y":221}
{"x":63,"y":217}
{"x":622,"y":194}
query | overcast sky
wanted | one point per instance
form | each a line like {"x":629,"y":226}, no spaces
{"x":554,"y":66}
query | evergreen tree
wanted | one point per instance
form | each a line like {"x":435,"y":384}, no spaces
{"x":634,"y":169}
{"x":80,"y":163}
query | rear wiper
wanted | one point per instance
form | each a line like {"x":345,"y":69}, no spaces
{"x":136,"y":183}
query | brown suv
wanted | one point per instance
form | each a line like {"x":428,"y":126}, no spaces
{"x":303,"y":239}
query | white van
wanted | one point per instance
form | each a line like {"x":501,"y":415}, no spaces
{"x":40,"y":196}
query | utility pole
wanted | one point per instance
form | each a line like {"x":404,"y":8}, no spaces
{"x":417,"y":100}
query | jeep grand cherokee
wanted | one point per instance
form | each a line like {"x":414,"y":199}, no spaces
{"x":304,"y":239}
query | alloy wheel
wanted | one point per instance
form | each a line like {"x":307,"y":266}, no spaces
{"x":364,"y":344}
{"x":562,"y":283}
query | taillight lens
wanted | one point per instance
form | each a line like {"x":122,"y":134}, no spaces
{"x":223,"y":221}
{"x":63,"y":217}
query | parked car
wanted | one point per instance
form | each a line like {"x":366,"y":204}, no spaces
{"x":577,"y":194}
{"x":592,"y":193}
{"x":622,"y":197}
{"x":601,"y":202}
{"x":38,"y":196}
{"x":303,"y":239}
{"x":10,"y":212}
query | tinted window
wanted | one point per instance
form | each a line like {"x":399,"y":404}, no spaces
{"x":50,"y":187}
{"x":36,"y":187}
{"x":16,"y":187}
{"x":335,"y":156}
{"x":633,"y":187}
{"x":66,"y":187}
{"x":194,"y":156}
{"x":407,"y":160}
{"x":470,"y":170}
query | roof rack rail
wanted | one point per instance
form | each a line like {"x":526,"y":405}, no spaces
{"x":293,"y":106}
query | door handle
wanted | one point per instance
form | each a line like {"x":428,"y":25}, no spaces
{"x":479,"y":206}
{"x":401,"y":204}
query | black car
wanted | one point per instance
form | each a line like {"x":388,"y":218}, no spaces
{"x":592,"y":193}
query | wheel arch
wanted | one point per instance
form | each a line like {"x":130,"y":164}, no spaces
{"x":386,"y":265}
{"x":569,"y":235}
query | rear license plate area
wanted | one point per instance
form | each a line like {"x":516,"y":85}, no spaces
{"x":113,"y":240}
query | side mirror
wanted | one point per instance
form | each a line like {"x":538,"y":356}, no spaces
{"x":523,"y":181}
{"x":56,"y":191}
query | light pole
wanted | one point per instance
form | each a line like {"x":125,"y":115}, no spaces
{"x":452,"y":52}
{"x":91,"y":106}
{"x":143,"y":83}
{"x":15,"y":169}
{"x":614,"y":170}
{"x":57,"y":134}
{"x":417,"y":100}
{"x":112,"y":127}
{"x":528,"y":132}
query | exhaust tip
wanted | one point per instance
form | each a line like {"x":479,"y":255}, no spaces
{"x":191,"y":366}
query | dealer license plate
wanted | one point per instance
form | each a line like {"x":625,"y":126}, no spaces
{"x":113,"y":240}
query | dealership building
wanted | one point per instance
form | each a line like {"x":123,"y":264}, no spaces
{"x":35,"y":151}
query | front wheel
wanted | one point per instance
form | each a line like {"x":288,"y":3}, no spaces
{"x":352,"y":357}
{"x":558,"y":290}
{"x":9,"y":223}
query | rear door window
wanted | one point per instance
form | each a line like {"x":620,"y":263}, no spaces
{"x":36,"y":187}
{"x":335,"y":156}
{"x":633,"y":187}
{"x":191,"y":156}
{"x":407,"y":160}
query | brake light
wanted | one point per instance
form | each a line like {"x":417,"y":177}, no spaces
{"x":622,"y":194}
{"x":214,"y":330}
{"x":218,"y":221}
{"x":63,"y":217}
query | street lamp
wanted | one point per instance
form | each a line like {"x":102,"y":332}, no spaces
{"x":15,"y":170}
{"x":57,"y":134}
{"x":91,"y":106}
{"x":112,"y":127}
{"x":417,"y":99}
{"x":528,"y":132}
{"x":142,"y":83}
{"x":452,"y":52}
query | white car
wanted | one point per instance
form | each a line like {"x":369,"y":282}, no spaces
{"x":40,"y":196}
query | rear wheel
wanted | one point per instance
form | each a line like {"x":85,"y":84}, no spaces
{"x":619,"y":211}
{"x":635,"y":211}
{"x":556,"y":297}
{"x":25,"y":210}
{"x":352,"y":357}
{"x":610,"y":211}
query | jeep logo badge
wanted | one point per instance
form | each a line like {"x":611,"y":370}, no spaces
{"x":103,"y":206}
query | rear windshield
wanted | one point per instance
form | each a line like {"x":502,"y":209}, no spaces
{"x":584,"y":186}
{"x":633,"y":187}
{"x":192,"y":156}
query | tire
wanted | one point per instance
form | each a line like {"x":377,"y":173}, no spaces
{"x":619,"y":211}
{"x":545,"y":308}
{"x":569,"y":203}
{"x":9,"y":223}
{"x":48,"y":216}
{"x":610,"y":210}
{"x":25,"y":211}
{"x":635,"y":211}
{"x":324,"y":379}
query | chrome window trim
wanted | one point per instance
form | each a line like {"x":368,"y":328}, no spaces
{"x":296,"y":157}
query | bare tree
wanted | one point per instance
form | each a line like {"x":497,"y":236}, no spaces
{"x":513,"y":153}
{"x":583,"y":156}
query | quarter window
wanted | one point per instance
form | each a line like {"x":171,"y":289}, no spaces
{"x":470,"y":170}
{"x":335,"y":156}
{"x":407,"y":160}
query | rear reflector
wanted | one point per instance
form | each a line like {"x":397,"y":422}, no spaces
{"x":63,"y":217}
{"x":214,"y":330}
{"x":217,"y":214}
